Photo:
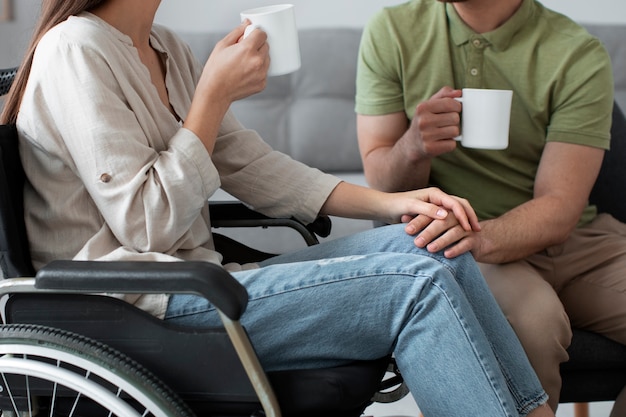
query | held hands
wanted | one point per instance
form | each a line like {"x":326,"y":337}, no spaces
{"x":437,"y":220}
{"x":436,"y":123}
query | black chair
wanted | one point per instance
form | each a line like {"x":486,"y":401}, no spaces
{"x":6,"y":79}
{"x":596,"y":370}
{"x":187,"y":371}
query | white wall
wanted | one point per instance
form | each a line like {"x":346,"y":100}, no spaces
{"x":199,"y":15}
{"x":224,"y":14}
{"x":591,"y":11}
{"x":15,"y":34}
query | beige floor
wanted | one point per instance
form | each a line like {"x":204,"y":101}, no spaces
{"x":407,"y":408}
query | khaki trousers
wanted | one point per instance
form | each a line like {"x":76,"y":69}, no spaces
{"x":580,"y":283}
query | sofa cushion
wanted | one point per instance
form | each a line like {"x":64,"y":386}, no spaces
{"x":311,"y":111}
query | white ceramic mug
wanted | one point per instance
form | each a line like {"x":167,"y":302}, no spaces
{"x":279,"y":22}
{"x":485,"y":118}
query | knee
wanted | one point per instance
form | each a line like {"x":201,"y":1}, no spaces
{"x":462,"y":265}
{"x":533,"y":309}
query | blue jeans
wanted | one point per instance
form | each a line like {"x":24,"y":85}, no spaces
{"x":368,"y":295}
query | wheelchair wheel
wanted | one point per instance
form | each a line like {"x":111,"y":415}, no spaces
{"x":51,"y":372}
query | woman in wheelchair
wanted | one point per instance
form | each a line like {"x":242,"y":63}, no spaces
{"x":124,"y":137}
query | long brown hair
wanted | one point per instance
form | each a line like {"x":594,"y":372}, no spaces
{"x":52,"y":13}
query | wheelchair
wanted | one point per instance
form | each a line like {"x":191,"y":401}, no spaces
{"x":65,"y":351}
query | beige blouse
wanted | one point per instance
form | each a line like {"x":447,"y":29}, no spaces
{"x":114,"y":176}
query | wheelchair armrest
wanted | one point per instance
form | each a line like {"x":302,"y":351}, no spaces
{"x":200,"y":278}
{"x":237,"y":214}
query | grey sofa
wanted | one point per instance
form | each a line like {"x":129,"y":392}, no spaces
{"x":310,"y":114}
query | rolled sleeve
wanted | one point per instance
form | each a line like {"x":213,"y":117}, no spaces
{"x":191,"y":149}
{"x":267,"y":180}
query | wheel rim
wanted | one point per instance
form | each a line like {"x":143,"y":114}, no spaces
{"x":82,"y":385}
{"x":79,"y":374}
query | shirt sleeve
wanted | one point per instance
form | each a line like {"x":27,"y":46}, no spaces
{"x":96,"y":121}
{"x":267,"y":180}
{"x":583,"y":98}
{"x":378,"y":82}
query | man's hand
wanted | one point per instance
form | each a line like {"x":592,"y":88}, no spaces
{"x":397,"y":153}
{"x":436,"y":124}
{"x":448,"y":235}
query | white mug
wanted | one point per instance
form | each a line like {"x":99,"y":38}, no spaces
{"x":486,"y":117}
{"x":279,"y":22}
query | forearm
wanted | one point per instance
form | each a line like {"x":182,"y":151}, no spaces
{"x":205,"y":118}
{"x":234,"y":70}
{"x":353,"y":201}
{"x":525,"y":230}
{"x":563,"y":182}
{"x":397,"y":168}
{"x":417,"y":208}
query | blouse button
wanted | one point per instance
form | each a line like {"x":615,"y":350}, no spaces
{"x":474,"y":71}
{"x":105,"y":178}
{"x":476,"y":43}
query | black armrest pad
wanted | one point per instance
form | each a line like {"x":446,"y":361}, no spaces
{"x":201,"y":278}
{"x":233,"y":210}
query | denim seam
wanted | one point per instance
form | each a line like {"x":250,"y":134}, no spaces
{"x":524,"y":404}
{"x":473,"y":344}
{"x":312,"y":284}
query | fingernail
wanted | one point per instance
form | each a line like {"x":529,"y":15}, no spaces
{"x":420,"y":242}
{"x":410,"y":229}
{"x":442,"y":213}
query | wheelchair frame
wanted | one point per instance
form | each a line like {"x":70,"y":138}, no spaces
{"x":198,"y":278}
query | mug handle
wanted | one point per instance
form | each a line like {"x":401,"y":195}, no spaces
{"x":460,"y":137}
{"x":249,"y":30}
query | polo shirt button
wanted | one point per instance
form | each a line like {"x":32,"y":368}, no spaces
{"x":474,"y":71}
{"x":105,"y":178}
{"x":476,"y":43}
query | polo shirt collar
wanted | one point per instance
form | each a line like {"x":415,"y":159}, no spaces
{"x":499,"y":38}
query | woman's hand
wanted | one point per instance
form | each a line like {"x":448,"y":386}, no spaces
{"x":438,"y":220}
{"x":237,"y":68}
{"x":421,"y":207}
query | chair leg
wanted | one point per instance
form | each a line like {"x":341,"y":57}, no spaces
{"x":581,"y":410}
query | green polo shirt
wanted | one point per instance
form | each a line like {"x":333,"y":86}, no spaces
{"x":560,"y":75}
